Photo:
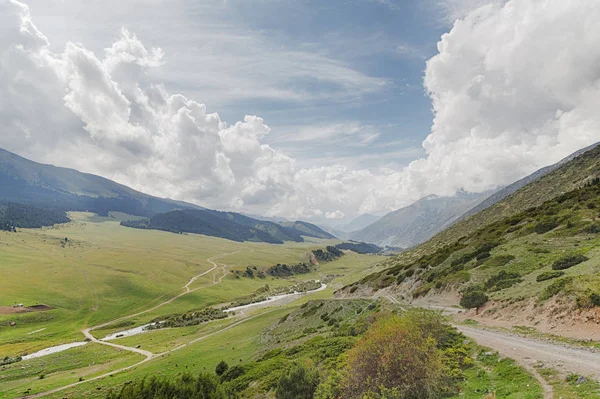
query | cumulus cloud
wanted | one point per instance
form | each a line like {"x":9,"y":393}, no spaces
{"x":515,"y":86}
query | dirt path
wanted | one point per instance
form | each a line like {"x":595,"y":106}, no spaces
{"x":147,"y":354}
{"x":529,"y":352}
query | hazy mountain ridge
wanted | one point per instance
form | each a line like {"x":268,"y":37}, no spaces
{"x":416,"y":223}
{"x":229,"y":225}
{"x":25,"y":181}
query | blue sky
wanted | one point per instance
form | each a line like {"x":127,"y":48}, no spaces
{"x":379,"y":120}
{"x":323,"y":111}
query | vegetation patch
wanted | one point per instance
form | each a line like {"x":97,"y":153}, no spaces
{"x":360,"y":247}
{"x":191,"y":318}
{"x":555,"y":288}
{"x":502,"y":280}
{"x":329,"y":254}
{"x":549,"y":275}
{"x":568,"y":262}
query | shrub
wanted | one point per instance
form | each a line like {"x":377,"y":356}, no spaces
{"x":473,"y":298}
{"x":595,"y":299}
{"x":205,"y":386}
{"x":221,"y":368}
{"x":232,"y":373}
{"x":549,"y":275}
{"x":554,"y":288}
{"x":299,"y":382}
{"x":394,"y":354}
{"x":502,"y":280}
{"x":498,"y":261}
{"x":592,"y":229}
{"x":545,"y":226}
{"x":568,"y":262}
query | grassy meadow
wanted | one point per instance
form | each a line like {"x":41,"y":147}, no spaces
{"x":93,"y":270}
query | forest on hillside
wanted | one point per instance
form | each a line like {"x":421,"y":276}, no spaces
{"x":14,"y":216}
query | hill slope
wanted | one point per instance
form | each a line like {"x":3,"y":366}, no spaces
{"x":533,"y":249}
{"x":578,"y":169}
{"x":360,"y":222}
{"x":510,"y":189}
{"x":229,"y":225}
{"x":307,"y":229}
{"x":416,"y":223}
{"x":25,"y":181}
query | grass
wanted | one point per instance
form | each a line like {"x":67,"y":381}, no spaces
{"x":106,"y":271}
{"x":502,"y":377}
{"x":62,"y":369}
{"x":569,"y":388}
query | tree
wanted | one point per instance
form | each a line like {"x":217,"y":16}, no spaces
{"x":395,"y":358}
{"x":221,"y":368}
{"x":299,"y":382}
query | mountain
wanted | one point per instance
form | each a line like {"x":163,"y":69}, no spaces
{"x":307,"y":229}
{"x":228,"y":225}
{"x":544,"y":185}
{"x":539,"y":242}
{"x":360,"y":222}
{"x":47,"y":186}
{"x":416,"y":223}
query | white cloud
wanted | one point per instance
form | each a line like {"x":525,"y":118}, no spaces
{"x":335,"y":215}
{"x":514,"y":87}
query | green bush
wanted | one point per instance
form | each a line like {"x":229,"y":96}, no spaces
{"x":554,"y":288}
{"x":568,"y":262}
{"x":205,"y":386}
{"x":299,"y":382}
{"x":221,"y":368}
{"x":233,"y":373}
{"x":502,"y":280}
{"x":545,"y":226}
{"x":549,"y":275}
{"x":473,"y":298}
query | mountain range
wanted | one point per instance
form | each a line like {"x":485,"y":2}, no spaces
{"x":420,"y":221}
{"x":417,"y":222}
{"x":537,"y":242}
{"x":36,"y":194}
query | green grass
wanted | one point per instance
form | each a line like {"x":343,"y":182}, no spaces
{"x":62,"y":369}
{"x":569,"y":388}
{"x":106,"y":271}
{"x":491,"y":374}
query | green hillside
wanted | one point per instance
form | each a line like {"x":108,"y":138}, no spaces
{"x":229,"y":225}
{"x":548,"y":250}
{"x":47,"y":186}
{"x":566,"y":178}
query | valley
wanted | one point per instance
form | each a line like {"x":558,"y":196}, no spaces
{"x":158,"y":274}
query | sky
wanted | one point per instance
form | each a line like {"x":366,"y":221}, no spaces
{"x":299,"y":108}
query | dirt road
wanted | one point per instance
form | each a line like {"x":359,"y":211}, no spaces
{"x":528,"y":352}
